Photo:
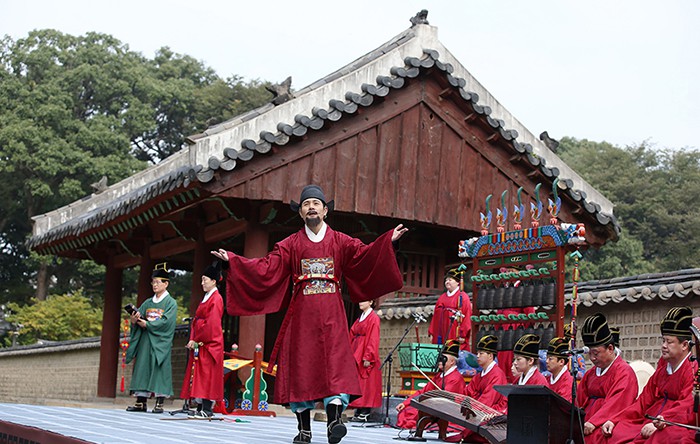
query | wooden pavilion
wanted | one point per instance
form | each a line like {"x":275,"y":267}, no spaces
{"x":404,"y":134}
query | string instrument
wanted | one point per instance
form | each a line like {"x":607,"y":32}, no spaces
{"x":464,"y":411}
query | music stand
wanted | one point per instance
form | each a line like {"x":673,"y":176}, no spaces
{"x":390,"y":359}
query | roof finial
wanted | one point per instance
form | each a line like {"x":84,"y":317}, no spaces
{"x":282,"y":92}
{"x":421,"y":18}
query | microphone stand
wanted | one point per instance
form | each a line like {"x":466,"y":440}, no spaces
{"x":186,"y":404}
{"x":390,"y":359}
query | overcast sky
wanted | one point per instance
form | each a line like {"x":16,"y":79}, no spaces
{"x":622,"y":71}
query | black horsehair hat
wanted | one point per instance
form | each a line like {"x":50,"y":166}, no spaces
{"x":677,"y":323}
{"x":557,"y":347}
{"x":312,"y":192}
{"x":161,"y":272}
{"x":453,"y":273}
{"x":488,"y":343}
{"x":451,"y":348}
{"x":615,"y":333}
{"x":213,"y":271}
{"x":595,"y":331}
{"x":528,"y":345}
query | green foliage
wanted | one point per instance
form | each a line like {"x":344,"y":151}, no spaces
{"x":74,"y":109}
{"x":653,"y":192}
{"x":58,"y":318}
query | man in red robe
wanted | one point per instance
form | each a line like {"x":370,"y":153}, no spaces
{"x":668,"y":394}
{"x":364,"y":340}
{"x":608,"y":388}
{"x":452,"y":314}
{"x":204,"y":378}
{"x":560,"y":379}
{"x":312,"y":350}
{"x":481,"y":386}
{"x":527,"y":359}
{"x":448,"y":379}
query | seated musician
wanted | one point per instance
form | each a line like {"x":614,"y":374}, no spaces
{"x":560,"y":379}
{"x":481,"y":386}
{"x":447,"y":378}
{"x":667,"y":396}
{"x":527,"y":355}
{"x":608,"y":388}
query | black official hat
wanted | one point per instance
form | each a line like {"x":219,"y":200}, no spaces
{"x":528,"y":345}
{"x":213,"y":271}
{"x":311,"y":192}
{"x":161,"y":272}
{"x":595,"y":331}
{"x":453,"y":273}
{"x":615,"y":333}
{"x":567,"y":331}
{"x":451,"y":348}
{"x":677,"y":323}
{"x":488,"y":343}
{"x":557,"y":347}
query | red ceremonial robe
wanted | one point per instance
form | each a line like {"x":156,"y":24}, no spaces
{"x":364,"y":340}
{"x":562,"y":386}
{"x":481,"y":389}
{"x":440,"y":324}
{"x":312,"y":350}
{"x":505,"y":357}
{"x":535,"y":379}
{"x":602,"y":397}
{"x":670,"y":396}
{"x":208,"y":380}
{"x":454,"y":382}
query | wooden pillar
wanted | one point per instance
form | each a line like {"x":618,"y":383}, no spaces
{"x":109,"y":342}
{"x":145,"y":289}
{"x":251,"y":329}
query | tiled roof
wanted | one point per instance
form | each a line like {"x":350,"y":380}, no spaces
{"x":680,"y":284}
{"x":407,"y":56}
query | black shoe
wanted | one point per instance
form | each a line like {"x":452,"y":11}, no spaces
{"x":159,"y":405}
{"x":302,"y":438}
{"x":336,"y":428}
{"x":203,"y":414}
{"x":137,"y":407}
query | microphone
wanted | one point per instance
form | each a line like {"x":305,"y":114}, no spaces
{"x":418,"y":317}
{"x":577,"y":351}
{"x":186,"y":319}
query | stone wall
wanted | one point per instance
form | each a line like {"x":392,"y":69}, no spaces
{"x":67,"y":371}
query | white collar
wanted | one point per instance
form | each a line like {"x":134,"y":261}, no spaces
{"x":316,"y":238}
{"x":453,"y":293}
{"x":365,"y":313}
{"x":524,"y":378}
{"x":208,"y":295}
{"x":553,"y":380}
{"x":670,"y":370}
{"x":488,"y":369}
{"x":449,"y":371}
{"x":600,"y":372}
{"x":157,"y":299}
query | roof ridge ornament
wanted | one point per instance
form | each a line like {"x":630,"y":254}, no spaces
{"x":421,"y":18}
{"x":281,"y":92}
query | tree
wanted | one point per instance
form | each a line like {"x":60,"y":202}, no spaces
{"x":652,"y":191}
{"x":74,"y":109}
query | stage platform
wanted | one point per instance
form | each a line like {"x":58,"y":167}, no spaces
{"x":100,"y":425}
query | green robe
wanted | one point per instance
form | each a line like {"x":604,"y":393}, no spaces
{"x":152,"y":347}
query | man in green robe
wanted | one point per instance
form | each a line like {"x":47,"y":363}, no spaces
{"x":152,"y":330}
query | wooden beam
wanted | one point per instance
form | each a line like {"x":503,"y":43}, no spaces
{"x":224,"y":230}
{"x":171,"y":248}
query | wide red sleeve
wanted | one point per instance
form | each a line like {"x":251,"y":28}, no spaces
{"x":261,"y":285}
{"x":490,"y":396}
{"x":370,"y":271}
{"x":619,"y":395}
{"x":371,"y":352}
{"x":435,"y":327}
{"x":208,"y":320}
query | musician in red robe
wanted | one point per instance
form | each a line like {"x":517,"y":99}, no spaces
{"x":527,"y":358}
{"x":452,"y":314}
{"x":668,"y":394}
{"x":608,"y":388}
{"x":560,"y":379}
{"x":364,"y":340}
{"x":448,"y":379}
{"x":312,"y":350}
{"x":481,"y":386}
{"x":205,"y":380}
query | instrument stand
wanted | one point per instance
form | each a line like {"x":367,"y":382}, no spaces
{"x":186,"y":405}
{"x":574,"y":410}
{"x":390,"y":359}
